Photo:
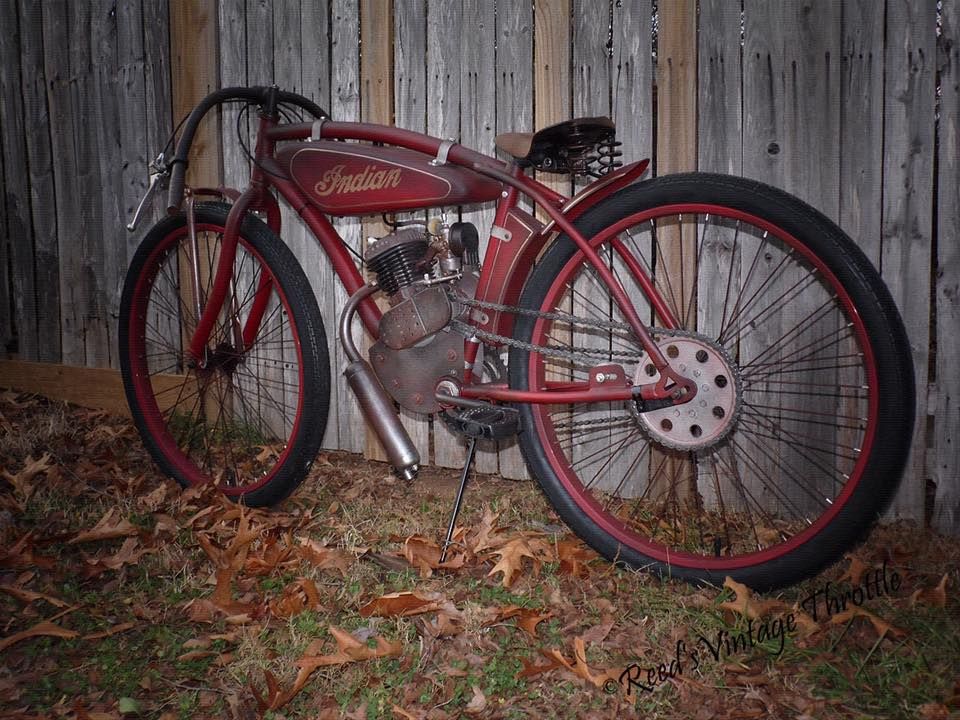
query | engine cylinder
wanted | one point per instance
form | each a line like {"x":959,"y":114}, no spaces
{"x":394,"y":259}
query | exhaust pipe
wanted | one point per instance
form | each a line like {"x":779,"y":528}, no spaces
{"x":376,"y":404}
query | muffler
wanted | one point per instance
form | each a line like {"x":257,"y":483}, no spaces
{"x":376,"y":404}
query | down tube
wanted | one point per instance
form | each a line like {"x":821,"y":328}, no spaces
{"x":335,"y":249}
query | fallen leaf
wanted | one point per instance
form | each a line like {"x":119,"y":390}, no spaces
{"x":122,"y":627}
{"x":424,"y":554}
{"x":531,"y":669}
{"x":29,"y":596}
{"x":854,"y":572}
{"x":477,"y":704}
{"x":44,"y":628}
{"x":754,"y":608}
{"x":22,"y":481}
{"x":936,"y":596}
{"x":880,"y":625}
{"x":299,"y":596}
{"x":402,"y":604}
{"x":579,"y":665}
{"x":574,"y":556}
{"x":111,"y":525}
{"x":528,"y":619}
{"x":400,"y":712}
{"x":485,"y":535}
{"x":512,"y":555}
{"x":349,"y":650}
{"x":323,"y":557}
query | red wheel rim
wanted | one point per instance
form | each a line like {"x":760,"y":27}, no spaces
{"x":584,"y":498}
{"x":153,"y":418}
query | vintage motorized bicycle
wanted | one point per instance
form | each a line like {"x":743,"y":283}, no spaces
{"x":706,"y":375}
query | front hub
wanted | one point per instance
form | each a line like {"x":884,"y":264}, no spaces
{"x":712,"y":414}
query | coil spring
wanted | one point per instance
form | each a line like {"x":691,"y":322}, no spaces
{"x":607,"y":155}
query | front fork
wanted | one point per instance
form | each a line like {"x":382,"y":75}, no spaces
{"x":208,"y":309}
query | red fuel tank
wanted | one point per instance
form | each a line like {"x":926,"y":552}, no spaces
{"x":351,"y":179}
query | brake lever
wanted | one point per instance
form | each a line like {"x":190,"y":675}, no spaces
{"x":159,"y":175}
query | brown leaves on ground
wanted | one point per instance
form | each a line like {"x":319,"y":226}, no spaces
{"x":43,"y":628}
{"x":349,"y":650}
{"x":935,"y":596}
{"x":22,"y":482}
{"x":749,"y":606}
{"x":111,"y":525}
{"x":882,"y":627}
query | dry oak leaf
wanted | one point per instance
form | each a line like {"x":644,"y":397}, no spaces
{"x":110,"y":526}
{"x":299,"y":596}
{"x":323,"y":557}
{"x":487,"y":534}
{"x":424,"y":554}
{"x":349,"y":650}
{"x":477,"y":704}
{"x":854,"y":572}
{"x":574,"y":556}
{"x":29,"y":596}
{"x":21,"y":481}
{"x":936,"y":596}
{"x":403,"y":604}
{"x":114,"y":630}
{"x":126,"y":555}
{"x":513,"y":553}
{"x":880,"y":625}
{"x":44,"y":628}
{"x":754,"y":608}
{"x":579,"y":665}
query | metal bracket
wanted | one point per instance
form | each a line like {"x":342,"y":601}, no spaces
{"x":442,"y":152}
{"x":501,"y":233}
{"x":316,"y":130}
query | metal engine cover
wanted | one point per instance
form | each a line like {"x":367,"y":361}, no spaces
{"x":411,"y":374}
{"x":411,"y":320}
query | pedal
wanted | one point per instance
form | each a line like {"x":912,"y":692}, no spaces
{"x":494,"y":422}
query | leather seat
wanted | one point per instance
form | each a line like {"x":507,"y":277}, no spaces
{"x":552,"y":147}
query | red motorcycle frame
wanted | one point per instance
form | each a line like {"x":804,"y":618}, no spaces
{"x":505,"y":264}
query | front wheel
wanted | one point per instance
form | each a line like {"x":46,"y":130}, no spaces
{"x":801,"y":426}
{"x":250,"y":416}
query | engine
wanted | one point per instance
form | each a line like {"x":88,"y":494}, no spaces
{"x":418,"y":268}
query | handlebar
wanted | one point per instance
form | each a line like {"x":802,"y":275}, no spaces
{"x":261,"y":95}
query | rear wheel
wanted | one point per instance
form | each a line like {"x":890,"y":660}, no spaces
{"x":802,"y":421}
{"x":250,"y":417}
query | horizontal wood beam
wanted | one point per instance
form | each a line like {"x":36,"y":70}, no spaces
{"x":98,"y":388}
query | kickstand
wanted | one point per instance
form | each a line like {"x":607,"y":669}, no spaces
{"x":471,"y":451}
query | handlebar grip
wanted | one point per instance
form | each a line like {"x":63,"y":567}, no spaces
{"x":252,"y":94}
{"x":175,"y":192}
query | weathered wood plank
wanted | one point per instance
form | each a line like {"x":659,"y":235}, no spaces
{"x":376,"y":105}
{"x":89,"y":293}
{"x":443,"y":120}
{"x":720,"y":122}
{"x":410,"y":112}
{"x":112,"y":239}
{"x":193,"y":41}
{"x":943,"y":461}
{"x":907,"y":205}
{"x":315,"y":18}
{"x":477,"y":130}
{"x":345,"y":105}
{"x":56,"y":25}
{"x":99,"y":388}
{"x":514,"y":72}
{"x":6,"y":314}
{"x":158,"y":96}
{"x":551,"y":72}
{"x":16,"y":191}
{"x":861,"y":124}
{"x":44,"y":219}
{"x":631,"y":83}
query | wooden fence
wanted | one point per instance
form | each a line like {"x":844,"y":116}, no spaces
{"x":851,"y":105}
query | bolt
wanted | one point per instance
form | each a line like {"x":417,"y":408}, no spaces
{"x":396,"y":383}
{"x":418,"y":399}
{"x":451,"y":355}
{"x":380,"y":358}
{"x":599,"y":377}
{"x":696,"y":373}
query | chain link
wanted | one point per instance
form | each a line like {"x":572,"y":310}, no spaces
{"x":583,"y":355}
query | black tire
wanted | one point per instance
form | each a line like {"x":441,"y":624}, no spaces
{"x":251,"y":420}
{"x":811,"y":470}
